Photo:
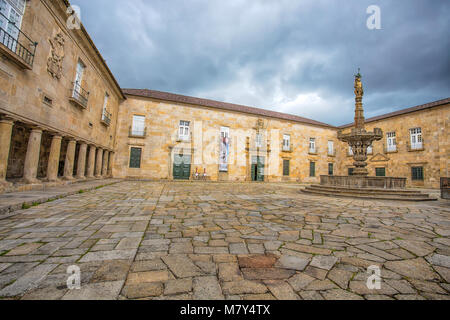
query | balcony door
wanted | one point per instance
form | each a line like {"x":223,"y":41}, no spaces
{"x":78,"y":79}
{"x":10,"y":22}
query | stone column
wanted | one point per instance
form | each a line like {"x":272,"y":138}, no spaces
{"x":91,"y":162}
{"x":32,"y":156}
{"x":110,"y":163}
{"x":70,"y":158}
{"x":5,"y":142}
{"x":53,"y":159}
{"x":98,"y":165}
{"x":105,"y":163}
{"x":81,"y":166}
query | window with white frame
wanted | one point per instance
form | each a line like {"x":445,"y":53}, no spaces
{"x":391,"y":142}
{"x":138,"y":126}
{"x":183,"y":131}
{"x":78,"y":77}
{"x":350,"y":151}
{"x":331,"y":148}
{"x":259,"y":140}
{"x":105,"y":105}
{"x":416,"y":138}
{"x":286,"y":142}
{"x":312,"y":145}
{"x":10,"y":19}
{"x":369,"y":149}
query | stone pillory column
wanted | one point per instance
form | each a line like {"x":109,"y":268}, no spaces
{"x":32,"y":156}
{"x":98,"y":165}
{"x":91,"y":162}
{"x":6,"y":125}
{"x":105,"y":163}
{"x":53,"y":159}
{"x":70,"y":158}
{"x":81,"y":166}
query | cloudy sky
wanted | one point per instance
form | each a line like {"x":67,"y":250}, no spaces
{"x":293,"y":56}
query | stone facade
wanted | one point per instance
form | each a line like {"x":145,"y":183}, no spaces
{"x":39,"y":98}
{"x":161,"y":142}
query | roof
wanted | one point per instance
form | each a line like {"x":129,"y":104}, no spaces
{"x":67,"y":4}
{"x":404,"y":111}
{"x":220,"y":105}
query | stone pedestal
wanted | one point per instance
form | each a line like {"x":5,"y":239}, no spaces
{"x":91,"y":162}
{"x":32,"y":157}
{"x":53,"y":159}
{"x":98,"y":165}
{"x":5,"y":142}
{"x":81,"y":166}
{"x":69,"y":161}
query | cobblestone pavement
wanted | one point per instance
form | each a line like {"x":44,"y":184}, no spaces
{"x":181,"y":240}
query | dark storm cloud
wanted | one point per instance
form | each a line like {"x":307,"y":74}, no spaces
{"x":292,"y":56}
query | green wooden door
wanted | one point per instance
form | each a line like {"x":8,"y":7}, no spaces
{"x":182,"y":167}
{"x":257,"y":171}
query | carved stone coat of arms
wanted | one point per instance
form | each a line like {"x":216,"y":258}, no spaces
{"x":54,"y":62}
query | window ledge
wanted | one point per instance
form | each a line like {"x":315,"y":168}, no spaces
{"x":136,"y":136}
{"x":416,"y":150}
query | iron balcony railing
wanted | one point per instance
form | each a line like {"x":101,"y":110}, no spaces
{"x":331,"y":153}
{"x":418,"y":146}
{"x":79,"y":95}
{"x":106,"y":117}
{"x":390,"y":148}
{"x":21,"y":45}
{"x":137,"y":133}
{"x":285,"y":148}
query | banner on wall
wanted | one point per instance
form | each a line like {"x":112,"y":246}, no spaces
{"x":224,"y":148}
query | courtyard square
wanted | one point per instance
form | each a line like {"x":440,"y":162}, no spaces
{"x":208,"y":240}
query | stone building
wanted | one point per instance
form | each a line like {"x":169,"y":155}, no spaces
{"x":58,"y":99}
{"x":64,"y":118}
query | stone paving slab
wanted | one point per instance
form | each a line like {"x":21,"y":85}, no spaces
{"x":167,"y":240}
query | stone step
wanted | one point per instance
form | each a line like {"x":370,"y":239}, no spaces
{"x":365,"y":190}
{"x":369,"y":196}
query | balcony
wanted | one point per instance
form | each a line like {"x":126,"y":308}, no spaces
{"x":331,"y":153}
{"x":106,"y":118}
{"x":184,"y":138}
{"x":137,"y":133}
{"x":418,"y":146}
{"x":313,"y":151}
{"x":287,"y":148}
{"x":19,"y":49}
{"x":390,"y":148}
{"x":79,"y":96}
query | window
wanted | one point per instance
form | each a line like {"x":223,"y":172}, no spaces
{"x":380,"y":172}
{"x":391,"y":142}
{"x":330,"y":148}
{"x":105,"y":104}
{"x":330,"y":169}
{"x":183,"y":131}
{"x":259,"y":140}
{"x":350,"y":171}
{"x":416,"y":138}
{"x":312,"y":169}
{"x":78,"y":78}
{"x":11,"y":20}
{"x":312,"y":145}
{"x":285,"y":167}
{"x":417,"y":173}
{"x":138,"y":126}
{"x":135,"y":157}
{"x":369,"y":149}
{"x":286,"y":142}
